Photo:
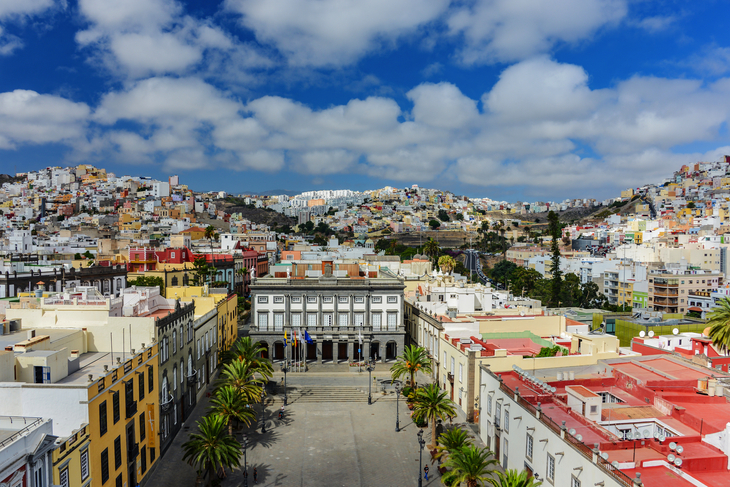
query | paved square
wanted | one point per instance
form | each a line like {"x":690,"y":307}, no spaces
{"x":343,"y":442}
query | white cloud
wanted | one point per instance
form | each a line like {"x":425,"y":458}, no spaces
{"x":20,"y":8}
{"x":333,"y":32}
{"x":9,"y":43}
{"x":140,"y":38}
{"x":542,"y":126}
{"x":28,"y":117}
{"x":511,"y":30}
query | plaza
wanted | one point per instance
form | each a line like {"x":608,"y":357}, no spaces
{"x":343,"y":442}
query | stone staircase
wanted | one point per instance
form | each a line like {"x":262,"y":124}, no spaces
{"x":323,"y":394}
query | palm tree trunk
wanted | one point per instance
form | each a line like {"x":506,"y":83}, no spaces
{"x":433,"y":434}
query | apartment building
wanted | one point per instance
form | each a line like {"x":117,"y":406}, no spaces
{"x":26,"y":451}
{"x":669,"y":289}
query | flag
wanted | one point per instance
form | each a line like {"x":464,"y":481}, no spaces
{"x":286,"y":339}
{"x":359,"y":337}
{"x":307,"y":337}
{"x":294,"y":337}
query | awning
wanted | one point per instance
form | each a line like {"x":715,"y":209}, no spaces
{"x":695,"y":308}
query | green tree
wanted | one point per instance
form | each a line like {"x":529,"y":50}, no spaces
{"x":460,"y":217}
{"x":149,"y":281}
{"x":514,"y":478}
{"x":412,"y":360}
{"x":434,"y":224}
{"x":502,"y":271}
{"x":471,"y":465}
{"x":557,"y":277}
{"x":241,"y":376}
{"x":201,"y":270}
{"x":230,"y":404}
{"x":719,"y":322}
{"x":443,"y":216}
{"x":431,"y":403}
{"x":211,"y":448}
{"x":246,"y":350}
{"x":432,"y":249}
{"x":451,"y":441}
{"x":691,"y":205}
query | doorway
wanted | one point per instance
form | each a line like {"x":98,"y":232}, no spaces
{"x":327,"y":350}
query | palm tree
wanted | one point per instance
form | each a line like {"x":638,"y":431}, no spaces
{"x":239,"y":375}
{"x":451,"y":441}
{"x":719,"y":323}
{"x":212,"y":448}
{"x":250,"y":352}
{"x":431,"y":248}
{"x":431,"y":403}
{"x":229,"y":403}
{"x":471,"y":465}
{"x":447,"y":264}
{"x":411,"y":361}
{"x":514,"y":478}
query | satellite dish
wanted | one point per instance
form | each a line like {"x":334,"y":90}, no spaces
{"x":553,"y":389}
{"x":651,"y":333}
{"x":671,"y":458}
{"x":579,"y":437}
{"x":522,"y":312}
{"x":680,"y":449}
{"x":642,"y":333}
{"x":646,"y":434}
{"x":678,"y":462}
{"x":662,"y":438}
{"x":629,"y":435}
{"x":572,"y":431}
{"x":615,"y":464}
{"x":604,"y":455}
{"x":672,"y":446}
{"x":675,"y":331}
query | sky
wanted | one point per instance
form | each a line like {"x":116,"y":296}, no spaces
{"x":507,"y":99}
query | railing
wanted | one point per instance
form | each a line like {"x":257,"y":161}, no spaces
{"x":21,"y":432}
{"x":577,"y":445}
{"x":656,"y":293}
{"x":131,"y":409}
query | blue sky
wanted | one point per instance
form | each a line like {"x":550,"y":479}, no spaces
{"x":508,"y":99}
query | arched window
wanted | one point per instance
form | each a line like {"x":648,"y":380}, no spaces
{"x":186,"y":280}
{"x":182,"y":371}
{"x":190,"y":365}
{"x":174,"y":341}
{"x":174,"y":280}
{"x":174,"y":378}
{"x":164,"y":389}
{"x":182,"y":337}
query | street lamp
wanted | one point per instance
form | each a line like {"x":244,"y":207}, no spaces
{"x":370,"y":367}
{"x":284,"y":369}
{"x":421,"y":444}
{"x":245,"y":464}
{"x":397,"y":396}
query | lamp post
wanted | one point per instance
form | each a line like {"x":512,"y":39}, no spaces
{"x":284,"y":369}
{"x":421,"y":444}
{"x":370,"y":367}
{"x":245,"y":464}
{"x":397,"y":396}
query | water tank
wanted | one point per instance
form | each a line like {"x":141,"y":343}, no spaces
{"x":560,"y":376}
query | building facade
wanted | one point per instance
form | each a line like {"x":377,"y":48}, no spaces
{"x":347,"y":319}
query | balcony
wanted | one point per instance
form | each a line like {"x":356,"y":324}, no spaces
{"x":131,"y":409}
{"x":669,"y":292}
{"x":132,"y":451}
{"x":450,"y":377}
{"x":192,"y":378}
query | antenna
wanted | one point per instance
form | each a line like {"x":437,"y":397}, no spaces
{"x":675,"y":331}
{"x":680,"y":449}
{"x":651,"y":333}
{"x":579,"y":437}
{"x":671,"y":458}
{"x":642,"y":333}
{"x":672,"y":446}
{"x":678,"y":462}
{"x":572,"y":431}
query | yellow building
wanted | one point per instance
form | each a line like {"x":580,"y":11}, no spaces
{"x":227,"y":323}
{"x":71,"y":459}
{"x":625,"y":293}
{"x":123,"y":412}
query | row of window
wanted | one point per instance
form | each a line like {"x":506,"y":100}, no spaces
{"x":129,"y":401}
{"x":343,"y":320}
{"x":328,"y":299}
{"x":461,"y":367}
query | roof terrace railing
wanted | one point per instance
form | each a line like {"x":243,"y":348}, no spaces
{"x":576,"y":444}
{"x":20,"y":432}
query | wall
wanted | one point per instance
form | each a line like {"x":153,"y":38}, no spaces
{"x":45,"y":401}
{"x":539,"y":325}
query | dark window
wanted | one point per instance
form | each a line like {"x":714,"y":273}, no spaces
{"x":150,"y":380}
{"x":143,"y":454}
{"x":152,"y":455}
{"x":102,"y":418}
{"x":141,"y":386}
{"x":119,"y":481}
{"x":115,"y":406}
{"x":117,"y":452}
{"x":129,"y":402}
{"x":105,"y":465}
{"x":141,"y":427}
{"x":174,"y":280}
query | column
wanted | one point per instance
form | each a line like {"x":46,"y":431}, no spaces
{"x":335,"y":351}
{"x":366,"y":349}
{"x":319,"y":352}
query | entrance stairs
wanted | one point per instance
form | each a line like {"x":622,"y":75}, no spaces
{"x":324,"y":394}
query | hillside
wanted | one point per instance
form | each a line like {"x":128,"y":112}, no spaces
{"x":257,"y":215}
